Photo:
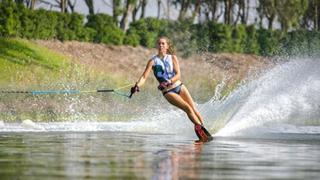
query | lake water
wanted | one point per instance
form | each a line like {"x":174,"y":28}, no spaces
{"x":268,"y":128}
{"x":125,"y":155}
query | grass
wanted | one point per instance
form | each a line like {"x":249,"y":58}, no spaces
{"x":24,"y":63}
{"x":27,"y":66}
{"x":22,"y":52}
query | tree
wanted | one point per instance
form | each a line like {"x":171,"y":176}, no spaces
{"x":184,"y":6}
{"x":129,"y":6}
{"x":311,"y":18}
{"x":63,"y":5}
{"x":197,"y":9}
{"x":228,"y":10}
{"x":140,"y":5}
{"x":289,"y":12}
{"x":243,"y":8}
{"x":159,"y":8}
{"x":29,"y":3}
{"x":90,"y":6}
{"x":19,"y":1}
{"x":267,"y":9}
{"x":210,"y":9}
{"x":135,"y":11}
{"x":72,"y":5}
{"x":168,"y":9}
{"x":143,"y":8}
{"x":116,"y":10}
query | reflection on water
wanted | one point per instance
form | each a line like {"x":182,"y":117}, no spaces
{"x":116,"y":155}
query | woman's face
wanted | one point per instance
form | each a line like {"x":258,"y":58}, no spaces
{"x":162,"y":45}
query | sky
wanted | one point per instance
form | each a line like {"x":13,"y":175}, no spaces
{"x":104,"y":6}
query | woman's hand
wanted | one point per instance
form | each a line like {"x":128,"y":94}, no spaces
{"x":164,"y":85}
{"x":134,"y":89}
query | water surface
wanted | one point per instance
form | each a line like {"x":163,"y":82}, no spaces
{"x":125,"y":155}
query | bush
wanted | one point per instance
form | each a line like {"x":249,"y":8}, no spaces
{"x":64,"y":33}
{"x":87,"y":34}
{"x":76,"y":25}
{"x":183,"y":36}
{"x":301,"y":43}
{"x":9,"y":19}
{"x":71,"y":27}
{"x":106,"y":29}
{"x":44,"y":23}
{"x":313,"y":43}
{"x":112,"y":36}
{"x":201,"y":36}
{"x":239,"y":37}
{"x":27,"y":24}
{"x":269,"y":42}
{"x":251,"y":43}
{"x":148,"y":30}
{"x":220,"y":36}
{"x":132,"y":40}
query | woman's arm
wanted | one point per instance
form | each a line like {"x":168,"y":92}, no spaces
{"x":145,"y":74}
{"x":176,"y":68}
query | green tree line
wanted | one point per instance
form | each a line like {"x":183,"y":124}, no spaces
{"x":297,"y":19}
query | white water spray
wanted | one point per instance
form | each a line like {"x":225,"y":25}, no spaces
{"x":285,"y":99}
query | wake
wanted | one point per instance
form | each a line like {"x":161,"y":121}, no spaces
{"x":284,"y":100}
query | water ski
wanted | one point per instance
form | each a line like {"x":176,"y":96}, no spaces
{"x":202,"y":133}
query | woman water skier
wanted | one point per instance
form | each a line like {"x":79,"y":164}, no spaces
{"x":166,"y":69}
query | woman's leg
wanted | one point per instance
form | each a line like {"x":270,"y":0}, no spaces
{"x":185,"y":95}
{"x":177,"y":100}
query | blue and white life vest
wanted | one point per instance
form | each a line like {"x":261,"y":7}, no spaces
{"x":163,"y":68}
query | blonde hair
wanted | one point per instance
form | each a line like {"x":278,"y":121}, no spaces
{"x":171,"y":49}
